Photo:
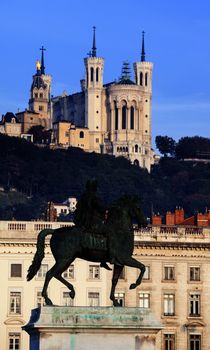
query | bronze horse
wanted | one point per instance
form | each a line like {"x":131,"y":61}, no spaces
{"x":115,"y":245}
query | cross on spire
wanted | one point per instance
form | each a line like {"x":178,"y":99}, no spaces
{"x":142,"y":48}
{"x":94,"y":42}
{"x":42,"y":60}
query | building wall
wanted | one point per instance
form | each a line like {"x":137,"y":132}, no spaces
{"x":161,"y":248}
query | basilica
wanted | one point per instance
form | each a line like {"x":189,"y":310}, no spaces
{"x":112,"y":118}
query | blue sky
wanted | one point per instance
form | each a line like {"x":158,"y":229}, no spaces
{"x":177,"y":42}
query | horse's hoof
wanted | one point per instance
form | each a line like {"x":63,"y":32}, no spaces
{"x":116,"y":304}
{"x":132,"y":286}
{"x":72,"y":294}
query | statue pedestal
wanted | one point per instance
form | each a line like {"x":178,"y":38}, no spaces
{"x":92,"y":328}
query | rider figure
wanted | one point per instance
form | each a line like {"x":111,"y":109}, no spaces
{"x":90,"y":214}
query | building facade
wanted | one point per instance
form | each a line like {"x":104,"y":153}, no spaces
{"x":176,"y":284}
{"x":116,"y":116}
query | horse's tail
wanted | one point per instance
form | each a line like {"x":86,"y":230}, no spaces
{"x":39,"y":255}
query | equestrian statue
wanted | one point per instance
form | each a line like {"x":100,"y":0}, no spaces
{"x":99,"y":235}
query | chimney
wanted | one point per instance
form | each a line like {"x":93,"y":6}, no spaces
{"x":170,"y":218}
{"x":156,"y":219}
{"x":202,"y":219}
{"x":179,"y":216}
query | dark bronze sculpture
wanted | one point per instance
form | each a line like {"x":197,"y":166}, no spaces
{"x":93,"y":238}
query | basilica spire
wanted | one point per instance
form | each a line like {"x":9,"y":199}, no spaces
{"x":42,"y":60}
{"x":142,"y":48}
{"x":93,"y":53}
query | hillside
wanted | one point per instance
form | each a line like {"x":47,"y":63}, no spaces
{"x":40,"y":175}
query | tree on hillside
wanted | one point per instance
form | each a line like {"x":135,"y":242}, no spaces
{"x":193,"y":147}
{"x":39,"y":134}
{"x":166,"y":145}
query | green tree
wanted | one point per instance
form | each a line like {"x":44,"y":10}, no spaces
{"x":166,"y":145}
{"x":193,"y":147}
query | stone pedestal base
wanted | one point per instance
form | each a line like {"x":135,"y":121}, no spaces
{"x":92,"y":328}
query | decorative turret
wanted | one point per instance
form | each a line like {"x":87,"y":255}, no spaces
{"x":143,"y":70}
{"x":40,"y":90}
{"x":94,"y":67}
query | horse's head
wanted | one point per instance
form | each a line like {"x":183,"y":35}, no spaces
{"x":129,"y":206}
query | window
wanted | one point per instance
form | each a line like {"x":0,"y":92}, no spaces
{"x":36,"y":95}
{"x":81,"y":134}
{"x":132,"y":118}
{"x":41,"y":95}
{"x":169,"y":341}
{"x":144,"y":300}
{"x":169,"y":273}
{"x":136,"y":148}
{"x":146,"y":273}
{"x":97,"y":74}
{"x":124,"y":112}
{"x":14,"y":341}
{"x":69,"y":273}
{"x":195,"y":341}
{"x":66,"y":299}
{"x":15,"y":303}
{"x":94,"y":272}
{"x":91,"y":74}
{"x":39,"y":299}
{"x":116,"y":118}
{"x":97,"y":140}
{"x":67,"y":134}
{"x":120,"y":298}
{"x":169,"y":304}
{"x":42,"y":271}
{"x":194,"y":304}
{"x":40,"y":108}
{"x":93,"y":299}
{"x":146,"y":79}
{"x":141,"y":78}
{"x":194,"y":273}
{"x":16,"y":270}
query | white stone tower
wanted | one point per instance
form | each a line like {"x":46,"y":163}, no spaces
{"x":143,"y":78}
{"x":94,"y":67}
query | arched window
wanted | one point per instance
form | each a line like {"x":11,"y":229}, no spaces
{"x":123,"y":149}
{"x":97,"y":74}
{"x":124,"y":112}
{"x":146,"y":79}
{"x":132,"y":118}
{"x":120,"y":149}
{"x":136,"y":148}
{"x":126,"y":149}
{"x":116,"y":117}
{"x":141,"y":79}
{"x":81,"y":134}
{"x":91,"y":74}
{"x":136,"y":162}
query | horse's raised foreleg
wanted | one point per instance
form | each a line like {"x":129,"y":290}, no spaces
{"x":137,"y":264}
{"x":116,"y":274}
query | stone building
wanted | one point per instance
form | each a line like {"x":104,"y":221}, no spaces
{"x":113,"y":118}
{"x":176,"y":285}
{"x":10,"y":125}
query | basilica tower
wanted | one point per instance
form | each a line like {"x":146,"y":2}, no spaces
{"x":40,"y":93}
{"x":143,"y":78}
{"x":94,"y":67}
